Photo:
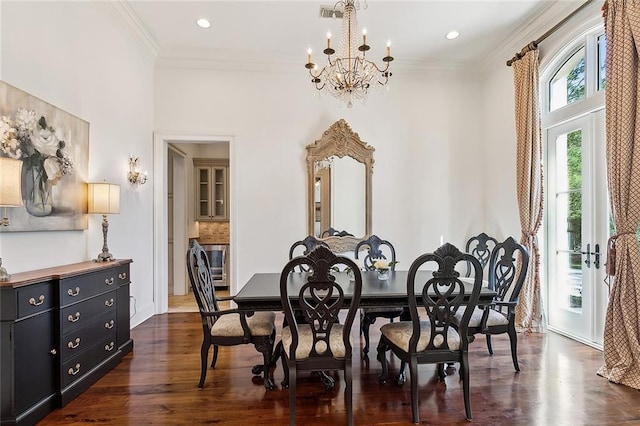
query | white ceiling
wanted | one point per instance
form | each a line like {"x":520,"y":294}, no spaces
{"x":281,"y":31}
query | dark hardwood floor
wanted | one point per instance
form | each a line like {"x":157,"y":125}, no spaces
{"x":157,"y":384}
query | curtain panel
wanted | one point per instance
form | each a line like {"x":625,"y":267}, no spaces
{"x":622,"y":323}
{"x":529,"y":185}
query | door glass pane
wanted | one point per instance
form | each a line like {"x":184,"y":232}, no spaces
{"x":568,"y":85}
{"x":569,"y":220}
{"x":602,"y":59}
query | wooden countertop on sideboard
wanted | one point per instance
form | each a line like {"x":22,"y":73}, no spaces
{"x":58,"y":272}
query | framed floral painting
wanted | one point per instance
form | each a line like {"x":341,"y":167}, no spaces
{"x":53,"y":146}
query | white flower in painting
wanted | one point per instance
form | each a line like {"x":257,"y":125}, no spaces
{"x":46,"y":142}
{"x":52,"y":168}
{"x":26,"y":120}
{"x":9,"y":139}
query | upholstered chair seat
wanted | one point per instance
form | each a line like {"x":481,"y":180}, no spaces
{"x":260,"y":324}
{"x":305,"y":341}
{"x":399,"y":334}
{"x":494,"y":318}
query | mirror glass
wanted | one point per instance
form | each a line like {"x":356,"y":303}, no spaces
{"x":339,"y":168}
{"x":339,"y":196}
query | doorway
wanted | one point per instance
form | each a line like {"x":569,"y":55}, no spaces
{"x":183,"y":211}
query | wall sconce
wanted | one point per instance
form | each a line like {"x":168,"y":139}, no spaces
{"x":10,"y":195}
{"x":103,"y":198}
{"x":135,"y":176}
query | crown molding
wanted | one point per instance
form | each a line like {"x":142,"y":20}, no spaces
{"x":122,"y":11}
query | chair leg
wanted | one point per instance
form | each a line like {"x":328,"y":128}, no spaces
{"x":401,"y":378}
{"x":348,"y":392}
{"x":464,"y":374}
{"x":215,"y":356}
{"x":413,"y":370}
{"x":266,"y":348}
{"x":285,"y":370}
{"x":204,"y":354}
{"x":489,"y":347}
{"x":513,"y":337}
{"x":366,"y":323}
{"x":292,"y":394}
{"x":384,"y":375}
{"x":441,"y":373}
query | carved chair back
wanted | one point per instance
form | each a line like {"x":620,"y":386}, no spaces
{"x":379,"y":249}
{"x":307,"y":245}
{"x":442,"y":295}
{"x":480,"y":246}
{"x":202,"y":285}
{"x":507,"y":270}
{"x":320,"y":300}
{"x":335,"y":233}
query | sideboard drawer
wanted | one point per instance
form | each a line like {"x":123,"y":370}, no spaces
{"x":80,"y":314}
{"x":122,"y":274}
{"x":35,"y":298}
{"x":80,"y":340}
{"x":78,"y":366}
{"x":75,"y":289}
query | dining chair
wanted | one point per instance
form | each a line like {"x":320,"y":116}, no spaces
{"x":320,"y":343}
{"x":376,"y":249}
{"x":434,"y":340}
{"x":307,"y":244}
{"x":480,"y":246}
{"x":506,"y":276}
{"x":226,"y":327}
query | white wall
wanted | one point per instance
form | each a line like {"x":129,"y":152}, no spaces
{"x":424,"y":130}
{"x":77,"y":56}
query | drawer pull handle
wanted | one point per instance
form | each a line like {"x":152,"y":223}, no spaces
{"x":122,"y":275}
{"x":108,"y":303}
{"x":109,"y":325}
{"x":109,"y":347}
{"x":73,"y":293}
{"x":73,"y":318}
{"x":40,"y":301}
{"x":53,"y":352}
{"x":109,"y":281}
{"x":73,"y":371}
{"x":73,"y":345}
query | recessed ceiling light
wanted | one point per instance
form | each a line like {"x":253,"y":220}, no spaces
{"x":203,"y":23}
{"x":452,"y":34}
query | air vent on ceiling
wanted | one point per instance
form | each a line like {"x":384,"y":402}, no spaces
{"x":330,"y":12}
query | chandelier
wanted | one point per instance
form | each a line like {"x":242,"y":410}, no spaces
{"x":349,"y":74}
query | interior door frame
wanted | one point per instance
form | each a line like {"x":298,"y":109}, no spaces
{"x":160,"y":234}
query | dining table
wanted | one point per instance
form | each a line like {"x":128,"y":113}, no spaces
{"x":262,"y":291}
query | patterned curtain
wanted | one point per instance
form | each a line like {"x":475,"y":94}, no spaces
{"x":622,"y":325}
{"x":529,"y":185}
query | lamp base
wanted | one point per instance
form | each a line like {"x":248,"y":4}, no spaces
{"x":104,"y":257}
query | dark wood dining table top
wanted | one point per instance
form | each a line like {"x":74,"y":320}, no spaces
{"x":262,"y":291}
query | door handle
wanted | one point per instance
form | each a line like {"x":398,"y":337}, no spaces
{"x":588,"y":253}
{"x":596,"y":256}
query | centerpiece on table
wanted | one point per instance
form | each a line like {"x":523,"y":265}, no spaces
{"x":383,"y":266}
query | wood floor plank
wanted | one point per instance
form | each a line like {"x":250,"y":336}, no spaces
{"x":157,"y":384}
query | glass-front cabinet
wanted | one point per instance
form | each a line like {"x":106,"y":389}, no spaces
{"x":211,"y":189}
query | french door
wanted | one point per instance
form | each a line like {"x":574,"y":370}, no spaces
{"x":577,"y":227}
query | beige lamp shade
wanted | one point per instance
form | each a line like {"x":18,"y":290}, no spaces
{"x":10,"y":182}
{"x":103,"y":198}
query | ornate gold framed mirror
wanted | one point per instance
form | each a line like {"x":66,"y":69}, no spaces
{"x":339,"y":168}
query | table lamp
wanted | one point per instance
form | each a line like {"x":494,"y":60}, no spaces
{"x":10,"y":195}
{"x":103,"y":198}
